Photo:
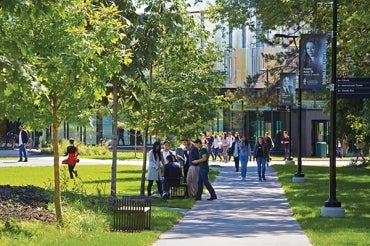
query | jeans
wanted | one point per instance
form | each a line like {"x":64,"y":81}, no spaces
{"x":22,"y":149}
{"x":236,"y":161}
{"x":261,"y":167}
{"x":203,"y":181}
{"x":243,"y":165}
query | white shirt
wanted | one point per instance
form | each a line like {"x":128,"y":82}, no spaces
{"x":20,"y":138}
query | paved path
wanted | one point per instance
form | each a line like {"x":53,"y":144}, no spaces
{"x":245,"y":213}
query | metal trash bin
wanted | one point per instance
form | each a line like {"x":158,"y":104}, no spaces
{"x":321,"y":149}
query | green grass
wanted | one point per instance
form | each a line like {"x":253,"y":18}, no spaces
{"x":307,"y":198}
{"x":86,"y":216}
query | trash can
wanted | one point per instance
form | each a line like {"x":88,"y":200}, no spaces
{"x":321,"y":149}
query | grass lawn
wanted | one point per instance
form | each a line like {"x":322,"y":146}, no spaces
{"x":307,"y":198}
{"x":86,"y":216}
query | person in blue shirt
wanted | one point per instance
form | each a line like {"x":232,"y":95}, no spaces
{"x":244,"y":149}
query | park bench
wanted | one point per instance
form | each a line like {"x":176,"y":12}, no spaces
{"x":132,"y":213}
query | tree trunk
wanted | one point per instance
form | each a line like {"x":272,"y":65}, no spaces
{"x":114,"y":143}
{"x":57,"y":192}
{"x":143,"y":170}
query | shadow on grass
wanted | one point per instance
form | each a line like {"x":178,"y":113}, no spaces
{"x":306,"y":199}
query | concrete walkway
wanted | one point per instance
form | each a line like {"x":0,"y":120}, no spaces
{"x":245,"y":213}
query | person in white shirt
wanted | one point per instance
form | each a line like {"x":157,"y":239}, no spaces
{"x":23,"y":140}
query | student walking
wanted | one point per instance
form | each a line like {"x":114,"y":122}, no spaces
{"x":72,"y":153}
{"x":260,"y":155}
{"x":244,"y":149}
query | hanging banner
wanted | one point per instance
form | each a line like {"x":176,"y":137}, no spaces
{"x":312,"y":59}
{"x":287,"y":92}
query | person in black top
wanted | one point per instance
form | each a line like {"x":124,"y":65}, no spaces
{"x":23,"y":140}
{"x":270,"y":146}
{"x":261,"y":155}
{"x":172,"y":175}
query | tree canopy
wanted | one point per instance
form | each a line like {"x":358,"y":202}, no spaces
{"x":300,"y":17}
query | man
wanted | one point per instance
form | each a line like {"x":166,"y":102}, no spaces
{"x":270,"y":146}
{"x":23,"y":140}
{"x":203,"y":172}
{"x":287,"y":93}
{"x":285,"y":142}
{"x":172,"y":175}
{"x":193,"y":172}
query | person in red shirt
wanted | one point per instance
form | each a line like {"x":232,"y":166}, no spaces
{"x":72,"y":152}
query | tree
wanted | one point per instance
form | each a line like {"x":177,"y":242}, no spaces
{"x":299,"y":17}
{"x":166,"y":51}
{"x":64,"y":57}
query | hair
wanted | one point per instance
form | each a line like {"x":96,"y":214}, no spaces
{"x":198,"y":141}
{"x":246,"y":139}
{"x":263,"y":140}
{"x":170,"y":158}
{"x":157,"y":153}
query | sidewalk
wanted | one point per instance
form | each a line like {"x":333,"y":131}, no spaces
{"x":245,"y":213}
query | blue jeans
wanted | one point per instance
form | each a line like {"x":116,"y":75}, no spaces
{"x":22,"y":149}
{"x":261,"y":167}
{"x":203,"y":181}
{"x":243,"y":165}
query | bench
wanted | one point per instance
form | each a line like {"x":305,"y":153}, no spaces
{"x":132,"y":213}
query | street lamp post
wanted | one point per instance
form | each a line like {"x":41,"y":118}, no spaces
{"x":332,"y":207}
{"x":299,"y":175}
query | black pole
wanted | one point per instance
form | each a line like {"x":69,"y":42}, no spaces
{"x":299,"y":163}
{"x":290,"y":133}
{"x":333,"y":202}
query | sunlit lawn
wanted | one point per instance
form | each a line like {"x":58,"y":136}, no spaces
{"x":86,"y":224}
{"x":307,"y":198}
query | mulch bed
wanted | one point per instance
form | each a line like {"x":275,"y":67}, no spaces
{"x":25,"y":203}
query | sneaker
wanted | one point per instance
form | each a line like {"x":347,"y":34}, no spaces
{"x":211,"y":198}
{"x":75,"y":172}
{"x":20,"y":160}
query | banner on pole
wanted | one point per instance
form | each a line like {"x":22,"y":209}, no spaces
{"x":312,"y":61}
{"x":287,"y":92}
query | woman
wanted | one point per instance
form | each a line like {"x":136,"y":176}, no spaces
{"x":155,"y":168}
{"x":260,"y":155}
{"x":244,"y":152}
{"x":225,"y":146}
{"x":235,"y":148}
{"x":216,"y":147}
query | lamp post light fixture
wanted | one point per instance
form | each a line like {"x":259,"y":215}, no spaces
{"x":299,"y":175}
{"x":332,"y":207}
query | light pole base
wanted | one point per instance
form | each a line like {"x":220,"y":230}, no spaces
{"x":332,"y":212}
{"x":289,"y":162}
{"x":298,"y":179}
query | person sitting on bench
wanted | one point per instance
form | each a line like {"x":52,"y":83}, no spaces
{"x":172,"y":175}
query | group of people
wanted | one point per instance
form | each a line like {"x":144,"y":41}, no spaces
{"x":167,"y":168}
{"x":221,"y":146}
